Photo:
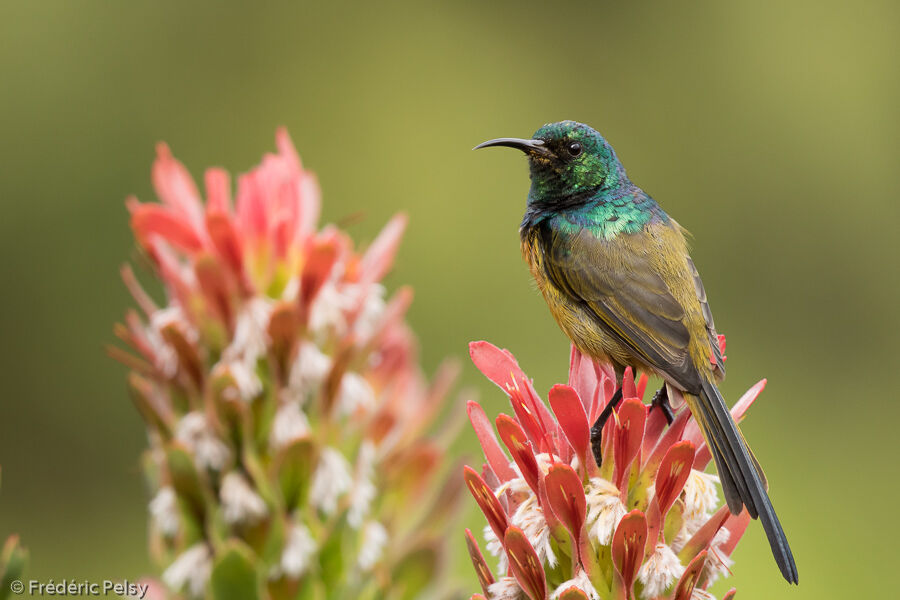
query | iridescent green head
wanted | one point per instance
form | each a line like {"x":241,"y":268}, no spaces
{"x":567,"y":160}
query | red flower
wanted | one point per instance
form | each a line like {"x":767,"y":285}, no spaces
{"x":560,"y":525}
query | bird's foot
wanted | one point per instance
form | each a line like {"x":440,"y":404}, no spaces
{"x":661,"y":401}
{"x":597,"y":427}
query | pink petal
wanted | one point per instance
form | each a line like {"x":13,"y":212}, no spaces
{"x":225,"y":240}
{"x":487,"y":501}
{"x":642,"y":385}
{"x":730,"y":594}
{"x":321,"y":257}
{"x":524,"y":564}
{"x":175,"y":186}
{"x":379,"y":257}
{"x":685,"y":588}
{"x":583,"y":377}
{"x":477,"y":597}
{"x":215,"y":287}
{"x":482,"y":571}
{"x":218,"y":190}
{"x":494,"y":454}
{"x":628,"y":544}
{"x":565,"y":494}
{"x":628,"y":435}
{"x":569,"y":411}
{"x":522,"y":452}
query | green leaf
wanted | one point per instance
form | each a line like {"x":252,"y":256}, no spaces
{"x":185,"y":479}
{"x":234,"y":575}
{"x":415,"y":571}
{"x":294,"y":466}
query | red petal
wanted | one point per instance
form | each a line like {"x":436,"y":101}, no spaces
{"x":736,"y":526}
{"x":569,"y":411}
{"x":485,"y":577}
{"x":628,"y":388}
{"x":522,"y":452}
{"x":565,"y":494}
{"x":628,"y":544}
{"x":500,"y":366}
{"x":148,"y":220}
{"x":494,"y":454}
{"x":583,"y":377}
{"x":477,"y":597}
{"x":704,"y":536}
{"x":524,"y":564}
{"x":685,"y":588}
{"x":487,"y":501}
{"x":215,"y":287}
{"x":642,"y":385}
{"x":730,"y":594}
{"x":670,"y":479}
{"x":380,"y":255}
{"x":321,"y":256}
{"x":629,"y":433}
{"x":225,"y":240}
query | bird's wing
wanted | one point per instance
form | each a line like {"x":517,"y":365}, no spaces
{"x":710,"y":325}
{"x":639,"y":286}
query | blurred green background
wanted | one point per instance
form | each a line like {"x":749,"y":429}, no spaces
{"x":768,"y":129}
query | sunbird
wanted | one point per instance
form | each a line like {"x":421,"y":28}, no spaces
{"x":615,"y":271}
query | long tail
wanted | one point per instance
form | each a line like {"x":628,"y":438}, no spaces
{"x":742,"y":479}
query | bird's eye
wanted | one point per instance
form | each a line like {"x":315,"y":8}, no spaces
{"x":574,"y":149}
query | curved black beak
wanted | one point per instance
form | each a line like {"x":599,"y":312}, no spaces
{"x":526,"y":146}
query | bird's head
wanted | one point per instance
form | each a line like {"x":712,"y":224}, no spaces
{"x":566,"y":159}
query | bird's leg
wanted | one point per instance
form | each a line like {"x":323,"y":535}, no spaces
{"x":597,"y":428}
{"x":661,"y":401}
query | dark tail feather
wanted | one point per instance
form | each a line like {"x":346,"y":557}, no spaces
{"x":742,"y":479}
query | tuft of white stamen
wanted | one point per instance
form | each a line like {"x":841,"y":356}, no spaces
{"x":605,"y":510}
{"x":298,"y":551}
{"x":328,"y":314}
{"x":331,"y":480}
{"x":582,"y":582}
{"x":164,"y":511}
{"x":308,"y":371}
{"x":530,"y":519}
{"x":355,"y":393}
{"x":191,"y":569}
{"x":209,"y":451}
{"x":371,"y":548}
{"x":495,"y":548}
{"x":369,"y":318}
{"x":240,"y":503}
{"x":701,"y":495}
{"x":506,"y":588}
{"x":364,"y":490}
{"x":289,"y":424}
{"x":166,"y":359}
{"x":659,"y":571}
{"x":718,"y":564}
{"x":250,"y":332}
{"x":247,"y":384}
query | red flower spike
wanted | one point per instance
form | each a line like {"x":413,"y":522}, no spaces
{"x":496,"y":458}
{"x":572,"y":593}
{"x":565,"y":495}
{"x":523,"y":454}
{"x":685,"y":588}
{"x":730,"y":595}
{"x":629,"y":433}
{"x":487,"y":501}
{"x":628,"y":388}
{"x":524,"y":564}
{"x":485,"y":577}
{"x":569,"y":411}
{"x":527,"y":417}
{"x":670,"y":479}
{"x":642,"y":385}
{"x":628,"y":544}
